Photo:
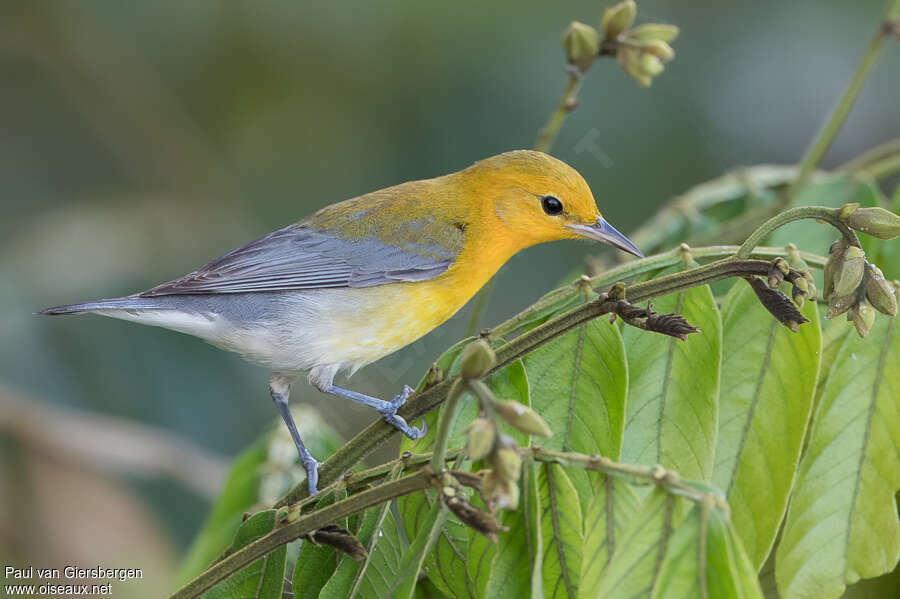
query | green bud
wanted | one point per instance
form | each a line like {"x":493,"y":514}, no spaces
{"x":812,"y":293}
{"x":876,"y":222}
{"x":850,"y":271}
{"x":775,"y":278}
{"x":782,"y":265}
{"x":630,"y":60}
{"x":654,"y":32}
{"x":477,"y":360}
{"x":660,"y":49}
{"x":481,"y":434}
{"x":522,"y":418}
{"x":499,"y":492}
{"x":847,"y":209}
{"x":835,"y":255}
{"x":507,"y":463}
{"x":837,"y":305}
{"x":879,"y":292}
{"x":618,"y":18}
{"x":863,"y":317}
{"x":651,"y":65}
{"x":581,"y":43}
{"x":798,"y":295}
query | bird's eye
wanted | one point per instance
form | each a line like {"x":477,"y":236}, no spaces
{"x":551,"y":205}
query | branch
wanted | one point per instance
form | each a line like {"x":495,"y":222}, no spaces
{"x":302,"y":527}
{"x":373,"y":436}
{"x":423,"y":479}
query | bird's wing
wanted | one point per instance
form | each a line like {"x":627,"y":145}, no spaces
{"x":301,"y":257}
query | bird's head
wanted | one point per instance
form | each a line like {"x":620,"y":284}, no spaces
{"x":533,"y":198}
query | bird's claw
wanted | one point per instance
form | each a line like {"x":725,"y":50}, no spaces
{"x":400,"y":399}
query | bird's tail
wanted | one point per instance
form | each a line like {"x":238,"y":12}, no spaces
{"x":118,"y":303}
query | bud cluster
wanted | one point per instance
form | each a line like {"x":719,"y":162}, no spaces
{"x":801,"y":280}
{"x":640,"y":51}
{"x":854,"y":286}
{"x":484,"y":441}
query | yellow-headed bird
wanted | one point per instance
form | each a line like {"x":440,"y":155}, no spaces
{"x":360,"y":279}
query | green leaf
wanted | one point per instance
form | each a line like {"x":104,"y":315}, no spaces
{"x":634,"y":569}
{"x":561,"y":532}
{"x":262,"y":579}
{"x":608,"y":515}
{"x":445,"y":565}
{"x":239,"y":495}
{"x":768,"y":381}
{"x":579,"y":382}
{"x":510,"y":571}
{"x":258,"y":477}
{"x":379,"y":534}
{"x":412,"y":562}
{"x":314,"y":566}
{"x":842,"y":522}
{"x":448,"y":362}
{"x":673,"y":389}
{"x":705,"y":559}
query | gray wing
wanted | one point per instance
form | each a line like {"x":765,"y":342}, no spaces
{"x":298,"y":257}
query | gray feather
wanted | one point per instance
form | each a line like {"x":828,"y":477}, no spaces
{"x":297,"y":257}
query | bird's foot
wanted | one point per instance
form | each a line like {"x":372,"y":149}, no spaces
{"x":311,"y":465}
{"x":389,"y":413}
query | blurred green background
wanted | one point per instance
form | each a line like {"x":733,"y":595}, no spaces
{"x":140,"y":140}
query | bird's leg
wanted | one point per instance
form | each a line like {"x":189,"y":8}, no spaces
{"x":279,"y":389}
{"x":387,"y":409}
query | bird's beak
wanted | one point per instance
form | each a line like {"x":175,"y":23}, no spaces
{"x":605,"y":232}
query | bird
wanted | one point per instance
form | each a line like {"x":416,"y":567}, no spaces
{"x":360,"y":279}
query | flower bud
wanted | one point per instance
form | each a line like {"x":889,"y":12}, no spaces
{"x":477,"y":360}
{"x":618,"y":18}
{"x":837,"y":305}
{"x":651,"y":65}
{"x":812,"y":293}
{"x":879,"y":292}
{"x":581,"y":43}
{"x":481,"y":434}
{"x":835,"y":255}
{"x":499,"y":492}
{"x":876,"y":222}
{"x":507,"y":463}
{"x":850,"y":271}
{"x":522,"y":418}
{"x":654,"y":32}
{"x":798,"y":295}
{"x":660,"y":49}
{"x":863,"y":317}
{"x":847,"y":209}
{"x":630,"y":60}
{"x":775,"y":278}
{"x":782,"y":265}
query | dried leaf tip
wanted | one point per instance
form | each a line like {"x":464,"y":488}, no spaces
{"x":673,"y":325}
{"x":777,"y":303}
{"x":341,"y":539}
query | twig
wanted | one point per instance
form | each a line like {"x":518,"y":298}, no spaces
{"x":829,"y":215}
{"x":378,"y":432}
{"x":567,"y":103}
